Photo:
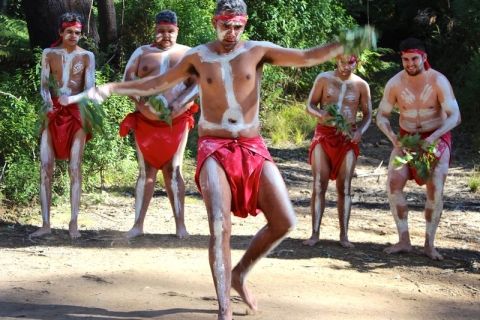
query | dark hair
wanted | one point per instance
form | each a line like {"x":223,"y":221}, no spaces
{"x":411,"y":43}
{"x":231,"y":6}
{"x":166,"y":16}
{"x":69,"y":17}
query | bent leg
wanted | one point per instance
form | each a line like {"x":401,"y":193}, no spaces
{"x":344,"y":203}
{"x":274,"y":201}
{"x":434,"y":204}
{"x":397,"y":178}
{"x":321,"y":173}
{"x":217,"y":197}
{"x":75,"y":171}
{"x":175,"y":186}
{"x":147,"y":176}
{"x":47,"y":164}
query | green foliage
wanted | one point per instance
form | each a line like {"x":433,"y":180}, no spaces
{"x":417,"y":155}
{"x":338,"y":120}
{"x":474,"y":181}
{"x":159,"y":104}
{"x":291,"y":124}
{"x":14,"y":44}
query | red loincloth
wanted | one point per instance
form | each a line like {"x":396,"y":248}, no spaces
{"x":335,"y":145}
{"x":444,"y":142}
{"x":63,"y":123}
{"x":242,"y":160}
{"x":157,"y":140}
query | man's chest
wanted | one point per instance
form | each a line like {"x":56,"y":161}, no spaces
{"x":70,"y":65}
{"x":417,"y":96}
{"x":155,"y":63}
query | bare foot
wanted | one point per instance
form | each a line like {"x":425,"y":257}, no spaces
{"x":346,"y":244}
{"x":73,"y":230}
{"x":432,"y":253}
{"x":399,"y":247}
{"x":134,"y":232}
{"x":311,"y":242}
{"x":182,"y":233}
{"x":239,"y":285}
{"x":41,"y":232}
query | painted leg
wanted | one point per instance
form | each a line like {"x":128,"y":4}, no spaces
{"x":175,"y":185}
{"x":75,"y":170}
{"x":321,"y":173}
{"x":434,"y":205}
{"x":217,"y":197}
{"x":274,"y":202}
{"x":397,"y":178}
{"x":344,"y":202}
{"x":47,"y":160}
{"x":143,"y":194}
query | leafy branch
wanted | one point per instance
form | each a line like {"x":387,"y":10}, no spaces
{"x":356,"y":40}
{"x":338,"y":121}
{"x":159,"y":104}
{"x":92,"y":116}
{"x":417,"y":155}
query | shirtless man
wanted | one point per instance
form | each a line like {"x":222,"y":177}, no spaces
{"x":332,"y":154}
{"x":159,"y":145}
{"x":67,"y":70}
{"x":427,"y":106}
{"x":235,"y":171}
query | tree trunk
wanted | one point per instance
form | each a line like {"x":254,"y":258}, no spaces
{"x":107,"y":23}
{"x":42,"y":19}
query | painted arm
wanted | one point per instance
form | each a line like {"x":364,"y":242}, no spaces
{"x":383,"y":114}
{"x":449,"y":107}
{"x":90,"y":72}
{"x":182,"y":102}
{"x":315,"y":98}
{"x":131,"y":69}
{"x":366,"y":106}
{"x":45,"y":79}
{"x":286,"y":57}
{"x":142,"y":87}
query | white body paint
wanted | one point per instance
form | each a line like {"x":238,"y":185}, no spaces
{"x":407,"y":96}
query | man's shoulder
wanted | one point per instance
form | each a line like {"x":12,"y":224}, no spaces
{"x":396,"y":79}
{"x":356,"y":78}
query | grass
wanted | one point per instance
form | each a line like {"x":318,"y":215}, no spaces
{"x":474,"y":180}
{"x":291,"y":124}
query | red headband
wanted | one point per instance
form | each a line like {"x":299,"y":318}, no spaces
{"x":68,"y":24}
{"x":426,"y":64}
{"x":242,"y":18}
{"x":353,"y":59}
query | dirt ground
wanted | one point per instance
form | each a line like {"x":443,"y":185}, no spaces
{"x":157,"y":276}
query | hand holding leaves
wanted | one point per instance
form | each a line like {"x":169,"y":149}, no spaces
{"x":338,"y":120}
{"x":356,"y":40}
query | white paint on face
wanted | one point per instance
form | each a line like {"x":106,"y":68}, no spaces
{"x":407,"y":96}
{"x":426,"y":93}
{"x":140,"y":188}
{"x":221,"y":33}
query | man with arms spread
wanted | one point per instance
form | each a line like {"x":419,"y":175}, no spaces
{"x":428,"y":107}
{"x":235,"y":172}
{"x":333,"y":154}
{"x":67,"y":70}
{"x":159,"y":144}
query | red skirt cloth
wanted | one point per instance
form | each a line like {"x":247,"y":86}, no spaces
{"x":157,"y":140}
{"x":444,"y":143}
{"x":335,"y":145}
{"x":63,"y":123}
{"x":242,"y":160}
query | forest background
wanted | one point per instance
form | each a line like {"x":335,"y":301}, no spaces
{"x":450,"y":29}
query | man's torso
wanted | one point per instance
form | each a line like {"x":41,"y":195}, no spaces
{"x":68,"y":70}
